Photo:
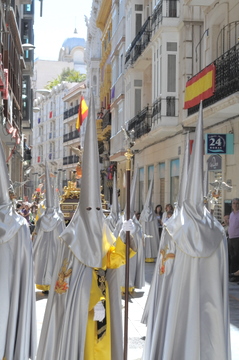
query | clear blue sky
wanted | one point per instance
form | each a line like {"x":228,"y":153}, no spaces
{"x":58,"y":21}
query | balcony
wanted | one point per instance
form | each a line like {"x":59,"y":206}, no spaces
{"x":71,"y":112}
{"x":71,"y":136}
{"x":155,"y":122}
{"x":141,"y":123}
{"x":165,"y":112}
{"x":72,"y":159}
{"x":117,"y":147}
{"x":224,"y":103}
{"x":165,"y":9}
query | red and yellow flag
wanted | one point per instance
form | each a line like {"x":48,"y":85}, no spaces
{"x":82,"y":113}
{"x":200,"y":87}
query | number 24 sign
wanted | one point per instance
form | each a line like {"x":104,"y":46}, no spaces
{"x":219,"y":143}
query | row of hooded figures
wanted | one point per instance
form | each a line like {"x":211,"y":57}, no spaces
{"x":83,"y":265}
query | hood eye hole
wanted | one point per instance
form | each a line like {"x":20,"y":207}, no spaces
{"x":89,"y":208}
{"x":98,"y":208}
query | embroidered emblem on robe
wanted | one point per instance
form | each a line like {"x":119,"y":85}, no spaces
{"x":61,"y":286}
{"x":164,"y":258}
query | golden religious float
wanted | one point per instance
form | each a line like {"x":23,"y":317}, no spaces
{"x":70,"y":199}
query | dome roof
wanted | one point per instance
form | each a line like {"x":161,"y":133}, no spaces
{"x":73,"y":42}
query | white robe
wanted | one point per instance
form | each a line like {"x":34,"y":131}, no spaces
{"x":45,"y":244}
{"x":63,"y":332}
{"x":188,"y":314}
{"x":64,"y":325}
{"x":137,"y":262}
{"x":17,"y":315}
{"x":150,"y":229}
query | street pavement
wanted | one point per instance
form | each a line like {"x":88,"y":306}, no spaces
{"x":137,"y":330}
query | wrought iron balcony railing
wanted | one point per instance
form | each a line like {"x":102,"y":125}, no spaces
{"x":141,"y":123}
{"x":72,"y":159}
{"x":226,"y":79}
{"x":165,"y":8}
{"x":71,"y":112}
{"x":71,"y":135}
{"x":164,"y":107}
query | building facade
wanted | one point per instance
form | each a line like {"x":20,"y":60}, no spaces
{"x":16,"y":22}
{"x":157,"y":47}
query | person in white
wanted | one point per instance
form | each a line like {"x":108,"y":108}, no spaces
{"x":189,"y":313}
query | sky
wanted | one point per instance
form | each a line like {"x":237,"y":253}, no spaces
{"x":58,"y":21}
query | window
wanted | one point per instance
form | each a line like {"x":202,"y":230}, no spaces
{"x":138,"y":23}
{"x":171,"y":73}
{"x":174,"y":180}
{"x":137,"y":106}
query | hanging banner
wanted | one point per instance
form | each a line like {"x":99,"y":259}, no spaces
{"x":219,"y":143}
{"x":200,"y":87}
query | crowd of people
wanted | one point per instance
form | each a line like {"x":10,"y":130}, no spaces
{"x":28,"y":211}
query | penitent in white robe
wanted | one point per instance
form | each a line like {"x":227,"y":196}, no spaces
{"x":188,"y":315}
{"x":17,"y":299}
{"x":136,"y":263}
{"x":45,"y":244}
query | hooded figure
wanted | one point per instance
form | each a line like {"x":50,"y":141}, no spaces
{"x":137,"y":263}
{"x":158,"y":282}
{"x":45,"y":238}
{"x":149,"y":224}
{"x":83,"y":314}
{"x":18,"y":315}
{"x":191,"y":317}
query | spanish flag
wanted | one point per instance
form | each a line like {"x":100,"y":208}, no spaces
{"x":200,"y":87}
{"x":82,"y":113}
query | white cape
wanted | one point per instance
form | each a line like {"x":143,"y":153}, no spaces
{"x":17,"y":315}
{"x":188,"y":314}
{"x":45,"y":244}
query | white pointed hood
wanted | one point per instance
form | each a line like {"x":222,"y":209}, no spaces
{"x":132,"y":193}
{"x":10,"y":222}
{"x":148,"y":214}
{"x":194,"y":229}
{"x":50,"y":218}
{"x":113,"y":217}
{"x":184,"y":174}
{"x":84,"y":234}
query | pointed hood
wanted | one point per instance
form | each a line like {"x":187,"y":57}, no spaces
{"x":10,"y":222}
{"x":49,"y":189}
{"x":50,"y":218}
{"x":148,"y":212}
{"x":193,"y":229}
{"x":184,"y":174}
{"x":84,"y":233}
{"x":113,"y":217}
{"x":194,"y":188}
{"x":133,"y":193}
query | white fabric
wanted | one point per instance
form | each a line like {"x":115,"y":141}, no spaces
{"x":128,"y":225}
{"x":17,"y":315}
{"x":64,"y":325}
{"x":137,"y":262}
{"x":99,"y":312}
{"x":45,"y":244}
{"x":187,"y":315}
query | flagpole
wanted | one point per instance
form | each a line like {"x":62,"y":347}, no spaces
{"x":128,"y":156}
